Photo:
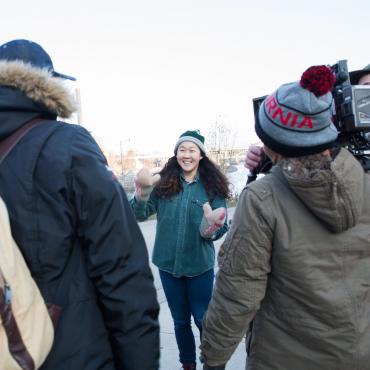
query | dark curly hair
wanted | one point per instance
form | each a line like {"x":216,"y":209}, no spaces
{"x":213,"y":180}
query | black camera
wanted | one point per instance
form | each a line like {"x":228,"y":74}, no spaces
{"x":265,"y":163}
{"x":351,"y":114}
{"x":352,"y":103}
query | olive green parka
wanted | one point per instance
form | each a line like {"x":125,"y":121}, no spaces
{"x":296,"y":263}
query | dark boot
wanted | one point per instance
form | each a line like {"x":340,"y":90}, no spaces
{"x":189,"y":366}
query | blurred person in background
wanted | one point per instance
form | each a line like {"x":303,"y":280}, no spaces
{"x":361,"y":76}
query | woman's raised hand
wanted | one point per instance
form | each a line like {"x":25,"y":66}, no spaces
{"x":144,"y":183}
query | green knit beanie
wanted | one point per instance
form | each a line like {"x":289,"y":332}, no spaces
{"x":193,"y":136}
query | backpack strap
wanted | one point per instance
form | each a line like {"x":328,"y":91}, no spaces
{"x":60,"y":297}
{"x":6,"y":146}
{"x":11,"y":141}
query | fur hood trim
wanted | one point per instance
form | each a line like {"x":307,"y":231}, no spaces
{"x":333,"y":189}
{"x":38,"y":85}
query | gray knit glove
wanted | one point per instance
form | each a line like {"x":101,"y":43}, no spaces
{"x":212,"y":221}
{"x":144,"y":183}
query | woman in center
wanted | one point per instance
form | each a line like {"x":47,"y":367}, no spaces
{"x":190,"y":202}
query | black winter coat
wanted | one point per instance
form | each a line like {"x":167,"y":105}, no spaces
{"x":74,"y":226}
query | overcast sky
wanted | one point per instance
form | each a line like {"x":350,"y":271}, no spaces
{"x":150,"y":69}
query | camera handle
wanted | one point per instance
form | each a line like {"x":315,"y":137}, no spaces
{"x":252,"y":176}
{"x":264,"y":167}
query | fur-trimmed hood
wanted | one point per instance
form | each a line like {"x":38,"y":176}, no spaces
{"x":332,"y":188}
{"x":39,"y":86}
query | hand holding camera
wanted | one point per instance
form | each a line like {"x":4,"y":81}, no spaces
{"x":253,"y":157}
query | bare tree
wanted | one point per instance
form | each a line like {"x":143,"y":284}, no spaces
{"x":220,"y":138}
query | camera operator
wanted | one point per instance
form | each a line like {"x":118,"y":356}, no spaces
{"x":296,"y":261}
{"x":255,"y":155}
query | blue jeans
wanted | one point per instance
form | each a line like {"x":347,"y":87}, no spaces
{"x":186,"y":297}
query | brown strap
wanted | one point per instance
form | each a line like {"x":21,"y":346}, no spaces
{"x":11,"y":141}
{"x":16,"y":345}
{"x":54,"y":313}
{"x":2,"y":280}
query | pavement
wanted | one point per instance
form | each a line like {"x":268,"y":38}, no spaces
{"x":169,"y":352}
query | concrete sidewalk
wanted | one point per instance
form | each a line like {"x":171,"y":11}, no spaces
{"x":169,"y":352}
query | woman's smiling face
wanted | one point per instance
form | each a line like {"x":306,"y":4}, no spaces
{"x":188,"y":156}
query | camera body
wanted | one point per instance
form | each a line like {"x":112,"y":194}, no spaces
{"x":352,"y":103}
{"x":351,"y":114}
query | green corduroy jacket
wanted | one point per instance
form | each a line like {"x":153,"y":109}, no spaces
{"x":178,"y":248}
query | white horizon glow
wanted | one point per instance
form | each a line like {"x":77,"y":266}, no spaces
{"x":149,"y":70}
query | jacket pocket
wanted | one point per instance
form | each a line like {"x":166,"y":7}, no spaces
{"x":196,"y":209}
{"x":167,"y":209}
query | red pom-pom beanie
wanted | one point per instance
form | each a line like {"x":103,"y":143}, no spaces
{"x":296,"y":120}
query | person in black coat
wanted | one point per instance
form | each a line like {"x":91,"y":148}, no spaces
{"x":73,"y":224}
